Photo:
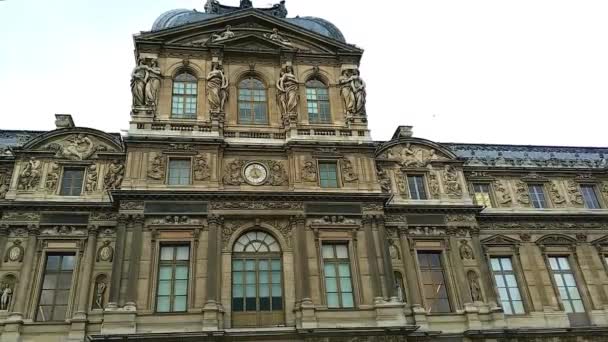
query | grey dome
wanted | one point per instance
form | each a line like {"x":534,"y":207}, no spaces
{"x":179,"y":17}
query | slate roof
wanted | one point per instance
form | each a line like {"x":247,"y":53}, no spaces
{"x":13,"y":138}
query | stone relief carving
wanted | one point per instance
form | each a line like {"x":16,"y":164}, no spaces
{"x":7,"y":286}
{"x":76,"y":147}
{"x":451,"y":182}
{"x":426,"y":231}
{"x":288,"y":94}
{"x":466,"y":252}
{"x":502,"y":194}
{"x":352,"y":90}
{"x":576,"y":197}
{"x":100,"y":290}
{"x":349,"y":175}
{"x":156,"y":166}
{"x":384,"y":180}
{"x":334,"y":220}
{"x":63,"y":230}
{"x":5,"y":180}
{"x":412,"y":156}
{"x":468,"y":218}
{"x":132,"y":205}
{"x":114,"y":175}
{"x":20,"y":216}
{"x":145,"y":84}
{"x":552,"y":225}
{"x":309,"y":171}
{"x":277,"y":37}
{"x":257,"y":205}
{"x":181,"y":147}
{"x":217,"y":88}
{"x":176,"y":220}
{"x":91,"y":179}
{"x":522,"y":192}
{"x":434,"y":185}
{"x":473,"y":279}
{"x":556,"y":196}
{"x":15,"y":252}
{"x":393,"y":250}
{"x":401,"y":184}
{"x":224,"y":35}
{"x":372,"y":207}
{"x":52,"y":178}
{"x":202,"y":171}
{"x":105,"y":253}
{"x":278,"y":175}
{"x":233,"y":174}
{"x":29,"y":177}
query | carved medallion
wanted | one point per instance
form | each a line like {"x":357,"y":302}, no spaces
{"x":105,"y":252}
{"x":255,"y":173}
{"x":15,"y":252}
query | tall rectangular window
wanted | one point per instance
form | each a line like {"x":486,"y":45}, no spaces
{"x":338,"y":280}
{"x":179,"y":171}
{"x":508,"y":291}
{"x":56,"y":285}
{"x":317,"y":102}
{"x":590,"y":196}
{"x":566,"y":285}
{"x":481,"y":192}
{"x":433,"y":282}
{"x":173,"y":269}
{"x":183,"y":104}
{"x":328,"y":174}
{"x":416,"y":186}
{"x":537,"y":195}
{"x":71,"y":182}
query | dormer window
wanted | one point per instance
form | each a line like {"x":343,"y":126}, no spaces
{"x":253,"y":105}
{"x":71,"y":182}
{"x":317,"y":102}
{"x":184,"y":96}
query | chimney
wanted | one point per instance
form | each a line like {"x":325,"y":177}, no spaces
{"x":64,"y":121}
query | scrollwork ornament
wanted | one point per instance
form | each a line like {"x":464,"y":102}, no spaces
{"x":15,"y":252}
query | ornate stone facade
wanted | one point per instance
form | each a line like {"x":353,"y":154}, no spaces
{"x":249,"y":194}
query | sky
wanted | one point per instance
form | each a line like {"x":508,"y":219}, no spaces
{"x":477,"y":71}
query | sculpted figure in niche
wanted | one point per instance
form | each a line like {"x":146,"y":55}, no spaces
{"x":91,"y":184}
{"x":30,"y":175}
{"x":145,"y":83}
{"x":114,"y":176}
{"x":6,"y":292}
{"x":52,"y":178}
{"x":288,"y":91}
{"x":353,"y":92}
{"x":153,"y":84}
{"x":452,"y":184}
{"x":138,"y":84}
{"x":385,"y":182}
{"x":466,"y":252}
{"x":227,"y":34}
{"x":393,"y":251}
{"x":217,"y":88}
{"x":202,"y":172}
{"x":474,"y":286}
{"x":100,"y":290}
{"x":309,"y":171}
{"x":156,"y":166}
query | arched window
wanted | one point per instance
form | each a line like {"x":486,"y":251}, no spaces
{"x":253,"y":107}
{"x":184,"y":96}
{"x":317,"y":102}
{"x":257,"y":287}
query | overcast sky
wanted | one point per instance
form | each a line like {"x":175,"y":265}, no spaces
{"x":485,"y":71}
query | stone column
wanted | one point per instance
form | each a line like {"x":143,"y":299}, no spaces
{"x":3,"y":238}
{"x":135,"y":256}
{"x":302,"y":252}
{"x":414,"y":295}
{"x":484,"y":268}
{"x":372,"y":258}
{"x":88,"y":262}
{"x":119,"y":254}
{"x":389,"y":277}
{"x":211,"y":314}
{"x":25,"y":275}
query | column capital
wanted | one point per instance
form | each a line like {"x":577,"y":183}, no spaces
{"x":93,"y":229}
{"x":215,"y":219}
{"x":4,"y":229}
{"x":137,"y":218}
{"x":33,"y":229}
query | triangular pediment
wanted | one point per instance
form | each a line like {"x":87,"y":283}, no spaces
{"x":249,"y":30}
{"x":499,"y":240}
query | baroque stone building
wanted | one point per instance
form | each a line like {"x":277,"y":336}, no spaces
{"x":249,"y":202}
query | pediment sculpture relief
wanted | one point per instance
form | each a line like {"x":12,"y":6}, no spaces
{"x":29,"y":178}
{"x":275,"y":36}
{"x":412,"y":156}
{"x":76,"y":147}
{"x":224,"y":35}
{"x":217,"y":88}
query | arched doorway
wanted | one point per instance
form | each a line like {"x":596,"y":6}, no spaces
{"x":257,"y":281}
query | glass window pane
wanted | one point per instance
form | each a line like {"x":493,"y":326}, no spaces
{"x":181,"y":272}
{"x":506,"y":307}
{"x":331,"y":285}
{"x":179,"y":303}
{"x":514,"y":292}
{"x":183,"y":253}
{"x":165,"y":272}
{"x":59,"y":312}
{"x":518,"y":307}
{"x":164,"y":288}
{"x":327,"y":251}
{"x":573,"y":292}
{"x":506,"y":264}
{"x":495,"y":263}
{"x":330,"y":270}
{"x":578,"y":306}
{"x":345,"y":285}
{"x":237,"y":291}
{"x":500,"y":282}
{"x":181,"y":287}
{"x":46,"y":297}
{"x":553,"y":264}
{"x":332,"y":300}
{"x":162,"y":304}
{"x":67,"y":262}
{"x":342,"y":251}
{"x":344,"y":270}
{"x":347,"y":300}
{"x":166,"y":253}
{"x":563,"y":263}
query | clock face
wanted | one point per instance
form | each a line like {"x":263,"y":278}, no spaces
{"x":255,"y":173}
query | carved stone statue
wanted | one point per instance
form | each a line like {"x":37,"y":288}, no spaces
{"x":393,"y":251}
{"x":30,"y":175}
{"x":6,"y":295}
{"x":502,"y":193}
{"x":145,"y":83}
{"x":466,"y":252}
{"x":556,"y":196}
{"x":349,"y":174}
{"x":156,"y":166}
{"x":309,"y":171}
{"x":384,"y":180}
{"x":78,"y":148}
{"x":91,"y":183}
{"x":353,"y":92}
{"x":522,"y":193}
{"x":100,"y":290}
{"x":574,"y":192}
{"x":277,"y":174}
{"x":52,"y":178}
{"x":217,"y":88}
{"x":288,"y":91}
{"x":277,"y":37}
{"x":452,"y":184}
{"x":433,"y":185}
{"x":226,"y":34}
{"x":114,"y":175}
{"x":202,"y":171}
{"x":5,"y":179}
{"x":473,"y":278}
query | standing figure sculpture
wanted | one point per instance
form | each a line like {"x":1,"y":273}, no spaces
{"x":288,"y":91}
{"x":217,"y":88}
{"x":152,"y":84}
{"x":145,"y":83}
{"x":6,"y":296}
{"x":138,"y":84}
{"x":352,"y":90}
